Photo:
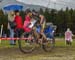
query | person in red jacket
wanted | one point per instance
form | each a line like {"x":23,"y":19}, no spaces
{"x":27,"y":22}
{"x":19,"y":25}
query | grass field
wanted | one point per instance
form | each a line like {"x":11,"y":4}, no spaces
{"x":60,"y":52}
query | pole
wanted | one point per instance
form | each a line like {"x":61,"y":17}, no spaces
{"x":1,"y":32}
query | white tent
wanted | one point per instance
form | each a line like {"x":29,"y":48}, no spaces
{"x":35,"y":2}
{"x":56,"y":4}
{"x":44,"y":3}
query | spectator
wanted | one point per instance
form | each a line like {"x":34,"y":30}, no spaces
{"x":19,"y":25}
{"x":27,"y":22}
{"x":68,"y":36}
{"x":11,"y":17}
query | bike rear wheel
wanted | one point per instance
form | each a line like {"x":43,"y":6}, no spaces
{"x":48,"y":45}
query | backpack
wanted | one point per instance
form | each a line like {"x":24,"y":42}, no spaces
{"x":12,"y":24}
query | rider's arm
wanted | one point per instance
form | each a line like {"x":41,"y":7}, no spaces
{"x":41,"y":19}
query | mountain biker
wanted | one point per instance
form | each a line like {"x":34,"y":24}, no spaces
{"x":40,"y":18}
{"x":41,"y":21}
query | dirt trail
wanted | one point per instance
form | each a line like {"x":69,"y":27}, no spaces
{"x":58,"y":53}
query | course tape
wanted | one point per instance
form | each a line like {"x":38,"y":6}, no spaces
{"x":16,"y":38}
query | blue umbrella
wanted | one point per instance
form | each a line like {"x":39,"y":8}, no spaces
{"x":13,"y":7}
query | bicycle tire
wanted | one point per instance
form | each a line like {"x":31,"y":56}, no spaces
{"x":46,"y":47}
{"x":23,"y":48}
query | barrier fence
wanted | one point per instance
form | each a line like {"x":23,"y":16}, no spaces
{"x":16,"y":38}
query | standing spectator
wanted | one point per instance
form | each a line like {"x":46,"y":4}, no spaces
{"x":11,"y":16}
{"x":19,"y":25}
{"x":68,"y":36}
{"x":27,"y":21}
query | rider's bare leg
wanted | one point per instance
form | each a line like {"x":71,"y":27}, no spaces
{"x":43,"y":35}
{"x":36,"y":35}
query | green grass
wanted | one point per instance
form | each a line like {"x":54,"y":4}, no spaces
{"x":61,"y":43}
{"x":6,"y":44}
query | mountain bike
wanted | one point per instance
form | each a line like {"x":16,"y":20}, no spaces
{"x":28,"y":45}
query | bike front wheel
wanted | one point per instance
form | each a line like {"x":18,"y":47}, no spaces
{"x":26,"y":45}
